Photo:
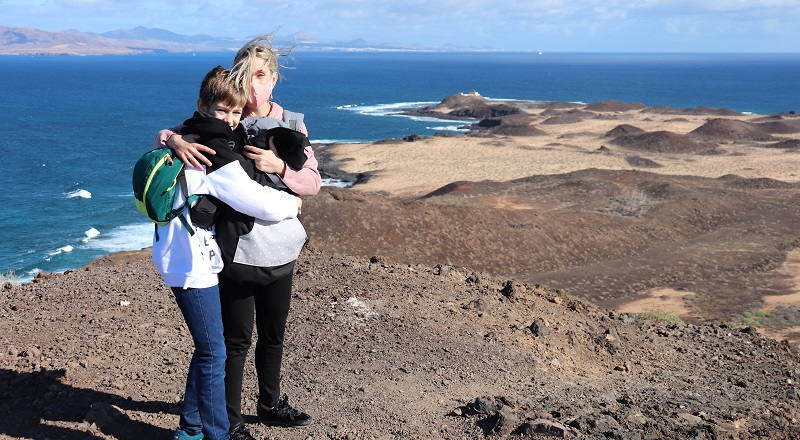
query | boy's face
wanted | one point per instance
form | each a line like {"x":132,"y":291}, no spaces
{"x":231,"y":114}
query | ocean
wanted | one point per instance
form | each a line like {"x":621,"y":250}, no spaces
{"x":74,"y":126}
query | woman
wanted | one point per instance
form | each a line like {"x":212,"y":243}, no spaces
{"x":247,"y":289}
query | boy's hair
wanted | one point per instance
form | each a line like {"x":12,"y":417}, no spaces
{"x":259,"y":47}
{"x":217,"y":87}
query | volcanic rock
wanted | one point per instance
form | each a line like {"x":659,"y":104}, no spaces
{"x":466,"y":105}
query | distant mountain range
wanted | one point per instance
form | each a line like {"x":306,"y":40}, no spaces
{"x":32,"y":41}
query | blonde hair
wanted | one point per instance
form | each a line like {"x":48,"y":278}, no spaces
{"x":258,"y":47}
{"x":218,"y":87}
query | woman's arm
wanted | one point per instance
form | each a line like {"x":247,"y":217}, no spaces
{"x":307,"y":181}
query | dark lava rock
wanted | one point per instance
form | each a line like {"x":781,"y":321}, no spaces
{"x":500,"y":423}
{"x":641,"y":162}
{"x":539,"y":328}
{"x":466,"y":105}
{"x":413,"y":137}
{"x":480,"y":406}
{"x":546,"y":427}
{"x":508,"y":289}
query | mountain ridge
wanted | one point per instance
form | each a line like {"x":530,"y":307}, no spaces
{"x":140,"y":39}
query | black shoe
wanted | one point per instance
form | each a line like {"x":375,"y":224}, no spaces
{"x":240,"y":433}
{"x":282,"y":415}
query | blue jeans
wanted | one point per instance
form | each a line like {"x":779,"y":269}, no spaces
{"x":204,"y":400}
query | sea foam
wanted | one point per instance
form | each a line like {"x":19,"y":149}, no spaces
{"x":90,"y":234}
{"x":339,"y":183}
{"x":448,"y":128}
{"x":124,"y":238}
{"x":79,"y":193}
{"x":392,"y":109}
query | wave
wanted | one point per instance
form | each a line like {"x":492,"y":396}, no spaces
{"x":90,"y":234}
{"x":124,"y":238}
{"x":448,"y":128}
{"x":383,"y":109}
{"x":333,"y":141}
{"x":29,"y":276}
{"x":62,"y":250}
{"x":339,"y":183}
{"x":79,"y":193}
{"x":391,"y":109}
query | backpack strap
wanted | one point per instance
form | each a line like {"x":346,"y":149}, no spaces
{"x":178,"y":212}
{"x":293,"y":119}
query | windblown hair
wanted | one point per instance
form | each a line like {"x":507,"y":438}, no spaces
{"x":218,"y":87}
{"x":259,"y":47}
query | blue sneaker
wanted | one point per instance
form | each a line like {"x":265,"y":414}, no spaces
{"x":180,"y":434}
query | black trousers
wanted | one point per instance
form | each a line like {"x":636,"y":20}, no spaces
{"x":270,"y":302}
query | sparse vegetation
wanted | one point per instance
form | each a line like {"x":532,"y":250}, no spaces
{"x":750,"y":318}
{"x":631,"y":203}
{"x":660,"y":315}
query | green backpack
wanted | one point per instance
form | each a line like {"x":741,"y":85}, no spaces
{"x":156,"y":178}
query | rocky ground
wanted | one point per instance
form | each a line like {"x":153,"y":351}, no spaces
{"x":383,"y":350}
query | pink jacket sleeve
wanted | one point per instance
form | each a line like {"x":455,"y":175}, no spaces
{"x":161,"y":137}
{"x":307,"y":181}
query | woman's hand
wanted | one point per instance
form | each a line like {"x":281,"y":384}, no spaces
{"x":299,"y":205}
{"x":190,"y":152}
{"x":266,"y":160}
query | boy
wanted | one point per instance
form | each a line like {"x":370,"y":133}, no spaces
{"x":189,"y":262}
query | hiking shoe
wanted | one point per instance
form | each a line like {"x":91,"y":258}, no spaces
{"x":282,"y":414}
{"x":180,"y":434}
{"x":240,"y":433}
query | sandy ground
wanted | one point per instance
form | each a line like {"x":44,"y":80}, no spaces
{"x":413,"y":168}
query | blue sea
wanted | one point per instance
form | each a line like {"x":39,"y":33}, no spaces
{"x":73,"y":126}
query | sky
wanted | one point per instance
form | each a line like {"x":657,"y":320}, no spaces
{"x":513,"y":25}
